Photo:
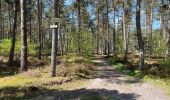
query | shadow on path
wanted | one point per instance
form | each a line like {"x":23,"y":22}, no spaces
{"x":105,"y":71}
{"x":87,"y":94}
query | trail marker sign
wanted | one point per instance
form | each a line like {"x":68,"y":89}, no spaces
{"x":53,"y":26}
{"x":54,"y":21}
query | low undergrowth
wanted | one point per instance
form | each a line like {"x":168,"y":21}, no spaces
{"x":156,"y":71}
{"x":124,"y":67}
{"x":6,"y":44}
{"x":71,"y":73}
{"x":75,"y":67}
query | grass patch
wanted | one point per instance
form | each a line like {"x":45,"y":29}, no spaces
{"x":124,"y":67}
{"x":158,"y":82}
{"x":153,"y":73}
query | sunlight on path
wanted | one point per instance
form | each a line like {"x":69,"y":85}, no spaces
{"x":110,"y":79}
{"x":108,"y":84}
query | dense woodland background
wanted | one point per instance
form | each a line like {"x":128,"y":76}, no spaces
{"x":133,"y":34}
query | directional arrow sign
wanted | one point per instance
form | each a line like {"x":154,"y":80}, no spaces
{"x":53,"y":26}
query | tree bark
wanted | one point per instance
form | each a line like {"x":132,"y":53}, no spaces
{"x":97,"y":27}
{"x":39,"y":29}
{"x":168,"y":30}
{"x":103,"y":37}
{"x":139,"y":36}
{"x":23,"y":36}
{"x":30,"y":24}
{"x":145,"y":18}
{"x":108,"y":34}
{"x":162,"y":30}
{"x":150,"y":28}
{"x":61,"y":43}
{"x":3,"y":30}
{"x":9,"y":32}
{"x":79,"y":26}
{"x":124,"y":33}
{"x":114,"y":28}
{"x":12,"y":49}
{"x":1,"y":20}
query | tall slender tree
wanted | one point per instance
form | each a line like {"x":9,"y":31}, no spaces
{"x":150,"y":26}
{"x":139,"y":36}
{"x":169,"y":29}
{"x":23,"y":36}
{"x":114,"y":27}
{"x":124,"y":32}
{"x":97,"y":26}
{"x":12,"y":49}
{"x":161,"y":19}
{"x":39,"y":29}
{"x":79,"y":25}
{"x":108,"y":33}
{"x":0,"y":20}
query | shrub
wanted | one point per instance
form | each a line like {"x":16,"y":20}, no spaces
{"x":6,"y":44}
{"x":159,"y":45}
{"x":85,"y":43}
{"x":76,"y":67}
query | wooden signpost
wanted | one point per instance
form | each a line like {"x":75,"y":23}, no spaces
{"x":54,"y":21}
{"x":54,"y":26}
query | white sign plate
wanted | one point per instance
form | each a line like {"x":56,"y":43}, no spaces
{"x":53,"y":26}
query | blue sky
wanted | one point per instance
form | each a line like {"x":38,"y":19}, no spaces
{"x":69,"y":2}
{"x":156,"y":23}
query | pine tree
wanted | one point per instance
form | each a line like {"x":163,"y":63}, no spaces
{"x":23,"y":36}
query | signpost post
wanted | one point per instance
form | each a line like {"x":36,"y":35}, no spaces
{"x":54,"y":26}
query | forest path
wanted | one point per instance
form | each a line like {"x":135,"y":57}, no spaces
{"x":108,"y":78}
{"x":108,"y":84}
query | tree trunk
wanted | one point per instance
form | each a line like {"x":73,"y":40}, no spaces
{"x":103,"y":37}
{"x":54,"y":40}
{"x":145,"y":18}
{"x":162,"y":30}
{"x":23,"y":36}
{"x":168,"y":30}
{"x":108,"y":37}
{"x":79,"y":26}
{"x":39,"y":29}
{"x":97,"y":27}
{"x":61,"y":33}
{"x":12,"y":49}
{"x":30,"y":18}
{"x":0,"y":21}
{"x":114,"y":29}
{"x":9,"y":32}
{"x":61,"y":43}
{"x":3,"y":30}
{"x":150,"y":28}
{"x":139,"y":36}
{"x":124,"y":34}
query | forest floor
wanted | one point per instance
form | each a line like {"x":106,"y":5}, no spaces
{"x":107,"y":83}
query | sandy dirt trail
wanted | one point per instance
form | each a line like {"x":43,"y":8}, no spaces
{"x":109,"y":78}
{"x":109,"y":84}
